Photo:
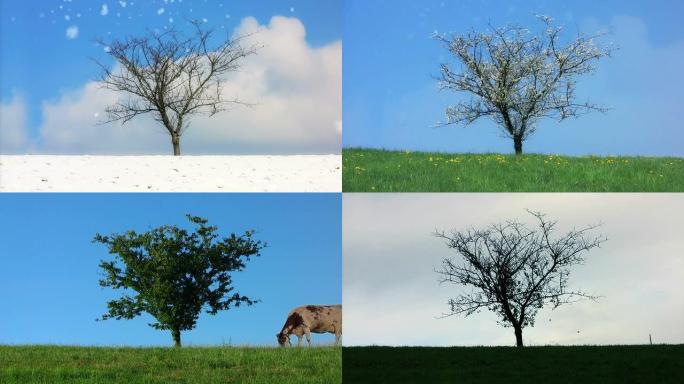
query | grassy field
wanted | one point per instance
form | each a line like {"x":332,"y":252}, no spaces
{"x":584,"y":364}
{"x":57,"y":364}
{"x":372,"y":170}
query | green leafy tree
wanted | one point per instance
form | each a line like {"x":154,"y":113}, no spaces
{"x":174,"y":274}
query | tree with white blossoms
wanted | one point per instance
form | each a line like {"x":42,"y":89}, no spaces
{"x":517,"y":78}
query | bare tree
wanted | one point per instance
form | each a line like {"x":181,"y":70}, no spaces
{"x":516,"y":78}
{"x":514,"y":270}
{"x":172,"y":76}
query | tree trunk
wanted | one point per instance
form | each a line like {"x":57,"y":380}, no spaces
{"x":175,"y":140}
{"x":517,"y":144}
{"x":518,"y":336}
{"x":176,"y":337}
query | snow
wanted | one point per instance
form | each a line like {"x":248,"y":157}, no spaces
{"x":58,"y":173}
{"x":72,"y":32}
{"x":104,"y":10}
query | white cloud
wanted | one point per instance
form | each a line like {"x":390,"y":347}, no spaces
{"x":13,"y":126}
{"x":390,"y":286}
{"x":72,"y":32}
{"x":296,"y":89}
{"x":72,"y":125}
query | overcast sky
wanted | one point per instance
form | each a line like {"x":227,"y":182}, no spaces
{"x":392,"y":297}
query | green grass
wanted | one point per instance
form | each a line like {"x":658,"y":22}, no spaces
{"x":58,"y":364}
{"x":373,"y":170}
{"x":582,"y":364}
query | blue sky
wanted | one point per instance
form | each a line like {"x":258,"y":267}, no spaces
{"x":49,"y":276}
{"x":391,"y":100}
{"x":41,"y":64}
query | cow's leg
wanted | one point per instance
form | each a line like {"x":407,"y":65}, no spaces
{"x":308,"y":336}
{"x":337,"y":337}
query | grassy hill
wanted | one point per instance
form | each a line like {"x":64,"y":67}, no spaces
{"x":372,"y":170}
{"x":57,"y":364}
{"x":582,"y":364}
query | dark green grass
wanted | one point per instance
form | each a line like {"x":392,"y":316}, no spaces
{"x":373,"y":170}
{"x":582,"y":364}
{"x":57,"y":364}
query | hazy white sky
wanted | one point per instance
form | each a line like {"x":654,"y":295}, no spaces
{"x":392,"y":297}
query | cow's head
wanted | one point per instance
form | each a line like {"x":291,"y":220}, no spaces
{"x":283,"y":339}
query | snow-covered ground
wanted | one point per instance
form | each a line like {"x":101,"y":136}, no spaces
{"x":300,"y":173}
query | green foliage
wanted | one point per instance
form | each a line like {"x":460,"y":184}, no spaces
{"x":253,"y":365}
{"x":549,"y":364}
{"x":374,"y":170}
{"x":174,"y":274}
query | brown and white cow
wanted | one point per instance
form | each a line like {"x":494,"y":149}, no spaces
{"x":311,"y":318}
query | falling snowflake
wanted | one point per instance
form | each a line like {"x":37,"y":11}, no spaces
{"x":291,"y":9}
{"x":160,"y":11}
{"x":204,"y":20}
{"x":170,"y":19}
{"x":67,"y":17}
{"x":104,"y":10}
{"x":122,"y":4}
{"x":72,"y":32}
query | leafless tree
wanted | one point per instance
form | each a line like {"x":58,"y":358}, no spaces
{"x":516,"y":78}
{"x":172,"y":76}
{"x":514,"y":270}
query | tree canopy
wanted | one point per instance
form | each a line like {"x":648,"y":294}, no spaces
{"x":516,"y":78}
{"x":172,"y":76}
{"x":173,"y":274}
{"x":515,"y":270}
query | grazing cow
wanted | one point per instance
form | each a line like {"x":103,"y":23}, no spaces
{"x":311,"y":318}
